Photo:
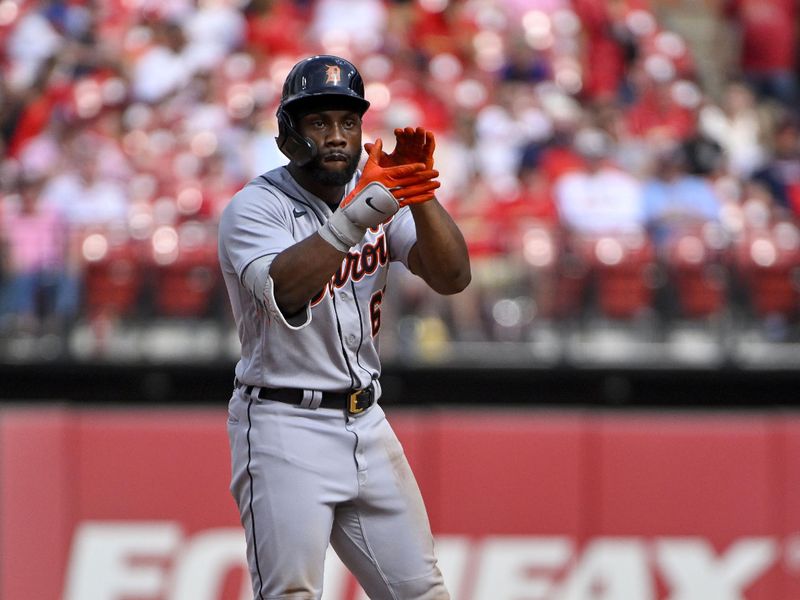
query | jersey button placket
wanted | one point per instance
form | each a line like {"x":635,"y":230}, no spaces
{"x":358,"y":451}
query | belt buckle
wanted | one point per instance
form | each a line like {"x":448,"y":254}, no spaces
{"x":354,"y":402}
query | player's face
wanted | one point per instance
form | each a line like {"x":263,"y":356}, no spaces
{"x":337,"y":135}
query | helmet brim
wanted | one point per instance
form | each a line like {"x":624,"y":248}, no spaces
{"x":326,"y":101}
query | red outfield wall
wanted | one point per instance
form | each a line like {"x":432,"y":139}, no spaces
{"x":526,"y":505}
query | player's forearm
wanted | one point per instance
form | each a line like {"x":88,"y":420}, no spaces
{"x":440,"y":255}
{"x":301,"y":271}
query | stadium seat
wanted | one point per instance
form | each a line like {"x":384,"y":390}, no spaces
{"x":113,"y":274}
{"x":187,"y":271}
{"x":623,"y":265}
{"x":697,"y":274}
{"x":559,"y":271}
{"x":769,"y":263}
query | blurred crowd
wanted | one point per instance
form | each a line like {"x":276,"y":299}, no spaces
{"x":606,"y":159}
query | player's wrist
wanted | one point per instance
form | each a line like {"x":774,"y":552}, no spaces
{"x":364,"y":208}
{"x":340,"y":232}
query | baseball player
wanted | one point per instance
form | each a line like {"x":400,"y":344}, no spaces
{"x":305,"y":251}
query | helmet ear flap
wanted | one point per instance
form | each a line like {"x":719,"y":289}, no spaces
{"x":300,"y":150}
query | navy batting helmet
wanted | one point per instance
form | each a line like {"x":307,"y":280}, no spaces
{"x":318,"y":82}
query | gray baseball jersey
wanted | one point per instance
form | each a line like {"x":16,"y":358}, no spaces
{"x":335,"y":344}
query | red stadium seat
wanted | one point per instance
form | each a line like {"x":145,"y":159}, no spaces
{"x":623,"y":266}
{"x":112,"y":274}
{"x":769,"y":263}
{"x":187,"y":271}
{"x":697,"y":275}
{"x":557,"y":281}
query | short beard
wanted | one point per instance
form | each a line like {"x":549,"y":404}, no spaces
{"x":332,"y":178}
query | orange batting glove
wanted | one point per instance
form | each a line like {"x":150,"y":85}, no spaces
{"x":378,"y":195}
{"x":412,"y":146}
{"x":401,"y":179}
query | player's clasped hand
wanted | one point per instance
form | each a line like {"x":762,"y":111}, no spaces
{"x":412,"y":146}
{"x":404,"y":180}
{"x":380,"y":192}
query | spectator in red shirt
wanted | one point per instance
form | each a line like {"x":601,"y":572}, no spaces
{"x":275,"y":28}
{"x":609,"y":46}
{"x":532,"y":202}
{"x":769,"y":46}
{"x":657,"y":116}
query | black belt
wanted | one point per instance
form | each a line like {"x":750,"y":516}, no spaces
{"x":354,"y":401}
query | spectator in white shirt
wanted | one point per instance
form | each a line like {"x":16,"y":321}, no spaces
{"x":86,"y":200}
{"x":601,"y":198}
{"x":163,"y":69}
{"x":213,"y":31}
{"x":737,"y":127}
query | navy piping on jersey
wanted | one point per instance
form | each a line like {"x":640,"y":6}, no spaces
{"x":361,"y":327}
{"x":252,"y":512}
{"x":355,"y":462}
{"x":341,"y":342}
